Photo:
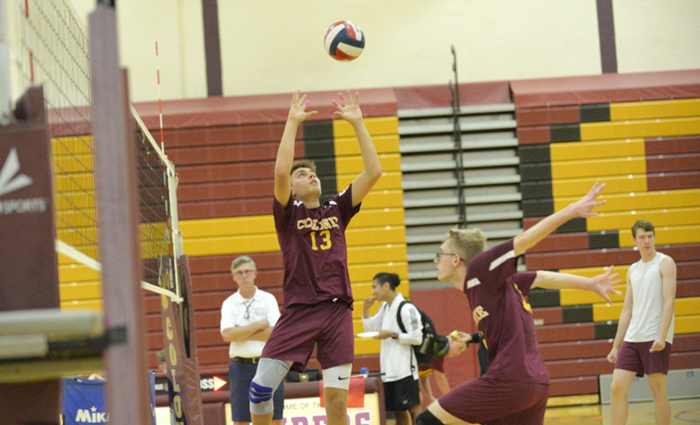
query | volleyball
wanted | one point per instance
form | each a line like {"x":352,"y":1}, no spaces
{"x":344,"y":41}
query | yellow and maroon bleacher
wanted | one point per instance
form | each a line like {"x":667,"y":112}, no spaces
{"x":225,"y":203}
{"x":638,"y":133}
{"x":644,"y":142}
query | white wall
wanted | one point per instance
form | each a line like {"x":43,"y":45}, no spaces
{"x":657,"y":35}
{"x":273,"y":46}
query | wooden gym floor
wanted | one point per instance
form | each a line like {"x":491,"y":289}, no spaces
{"x":684,"y":412}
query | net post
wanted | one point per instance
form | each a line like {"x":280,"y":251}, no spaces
{"x":127,"y":386}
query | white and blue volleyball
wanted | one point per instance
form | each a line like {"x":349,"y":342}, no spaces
{"x":344,"y":41}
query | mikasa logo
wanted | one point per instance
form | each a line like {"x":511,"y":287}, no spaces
{"x":91,"y":416}
{"x":10,"y":181}
{"x":11,"y":167}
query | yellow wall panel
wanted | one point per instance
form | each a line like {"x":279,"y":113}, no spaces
{"x":640,"y":201}
{"x":373,"y":253}
{"x":580,"y":297}
{"x":614,"y":184}
{"x":665,"y":235}
{"x":383,"y":199}
{"x":376,"y":235}
{"x":366,"y":346}
{"x":595,"y":271}
{"x":73,"y":200}
{"x":80,"y":291}
{"x":84,"y":218}
{"x":598,"y":149}
{"x":378,"y":217}
{"x":687,"y":306}
{"x":683,"y":307}
{"x":598,"y":167}
{"x":77,"y":273}
{"x":641,"y":128}
{"x":354,"y":164}
{"x":686,"y":325}
{"x":364,"y":290}
{"x":82,"y":305}
{"x":654,"y":109}
{"x":195,"y":247}
{"x":349,"y":146}
{"x":70,"y":164}
{"x":388,"y":180}
{"x":604,"y":312}
{"x":71,"y":145}
{"x":365,"y":272}
{"x":70,"y":234}
{"x":74,"y":182}
{"x":228,"y":226}
{"x":661,"y":218}
{"x":375,"y":126}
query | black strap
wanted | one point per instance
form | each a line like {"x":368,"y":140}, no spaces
{"x":403,"y":329}
{"x":398,"y":316}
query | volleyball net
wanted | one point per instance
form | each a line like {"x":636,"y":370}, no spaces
{"x":43,"y":43}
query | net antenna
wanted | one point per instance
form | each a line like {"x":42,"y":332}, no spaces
{"x":457,"y":134}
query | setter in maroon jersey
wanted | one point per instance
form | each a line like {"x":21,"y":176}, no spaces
{"x":317,"y":294}
{"x":515,"y":388}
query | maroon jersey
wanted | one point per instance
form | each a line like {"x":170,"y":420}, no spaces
{"x":496,"y":293}
{"x":314,"y":249}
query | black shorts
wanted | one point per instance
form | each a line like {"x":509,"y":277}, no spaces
{"x":402,"y":394}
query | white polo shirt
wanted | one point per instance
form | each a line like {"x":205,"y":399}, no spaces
{"x":262,"y":306}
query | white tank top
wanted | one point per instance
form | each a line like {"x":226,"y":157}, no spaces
{"x":648,"y":301}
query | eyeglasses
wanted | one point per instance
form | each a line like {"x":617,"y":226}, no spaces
{"x":437,"y":255}
{"x":243,"y":273}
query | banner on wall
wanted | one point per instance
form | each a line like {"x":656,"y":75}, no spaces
{"x":308,"y":411}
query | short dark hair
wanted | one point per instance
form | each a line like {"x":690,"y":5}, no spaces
{"x":304,"y":163}
{"x":391,"y":278}
{"x":644,"y":225}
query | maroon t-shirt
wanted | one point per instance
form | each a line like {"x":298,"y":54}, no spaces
{"x":496,"y":293}
{"x":314,"y":249}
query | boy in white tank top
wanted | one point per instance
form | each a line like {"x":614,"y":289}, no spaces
{"x":645,"y":330}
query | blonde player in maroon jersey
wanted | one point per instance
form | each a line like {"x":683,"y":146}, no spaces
{"x":317,"y":293}
{"x":515,"y":388}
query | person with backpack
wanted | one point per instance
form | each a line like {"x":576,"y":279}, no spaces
{"x":397,"y":358}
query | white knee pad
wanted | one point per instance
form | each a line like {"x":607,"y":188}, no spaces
{"x":337,"y":376}
{"x":267,"y":378}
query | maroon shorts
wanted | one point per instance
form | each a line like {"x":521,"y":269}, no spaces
{"x":635,"y":357}
{"x":301,"y":327}
{"x":489,"y":402}
{"x":437,"y":364}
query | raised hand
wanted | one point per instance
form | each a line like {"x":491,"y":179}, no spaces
{"x":297,"y":112}
{"x":603,"y":284}
{"x":349,"y":107}
{"x":585,"y":205}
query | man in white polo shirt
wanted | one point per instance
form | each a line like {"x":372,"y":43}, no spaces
{"x":247,"y":318}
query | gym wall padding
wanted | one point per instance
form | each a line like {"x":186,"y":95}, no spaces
{"x":640,"y":134}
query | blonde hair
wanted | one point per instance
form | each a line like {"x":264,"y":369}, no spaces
{"x":243,"y":259}
{"x":468,"y":243}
